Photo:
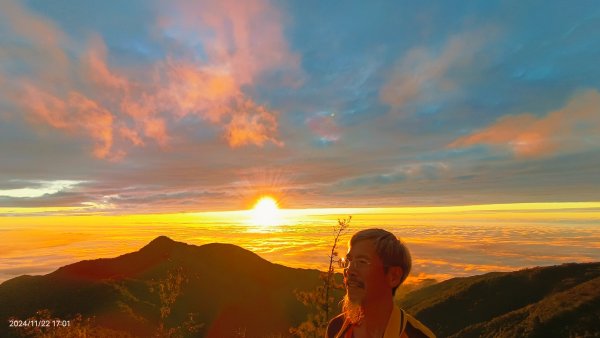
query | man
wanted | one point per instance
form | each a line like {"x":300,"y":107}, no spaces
{"x":376,"y":264}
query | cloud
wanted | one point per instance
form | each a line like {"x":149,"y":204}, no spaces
{"x":426,"y":171}
{"x":252,"y":124}
{"x":76,"y":114}
{"x":118,"y":107}
{"x":573,"y":128}
{"x":96,"y":71}
{"x":240,"y":42}
{"x":34,"y":40}
{"x":424,"y":73}
{"x":244,"y":39}
{"x":324,"y":126}
{"x":37,"y":189}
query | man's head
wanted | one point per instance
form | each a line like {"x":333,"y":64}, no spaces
{"x":378,"y":264}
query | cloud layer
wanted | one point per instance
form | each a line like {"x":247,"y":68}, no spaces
{"x":185,"y":106}
{"x":116,"y":107}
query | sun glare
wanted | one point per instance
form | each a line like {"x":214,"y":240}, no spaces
{"x":266,"y":212}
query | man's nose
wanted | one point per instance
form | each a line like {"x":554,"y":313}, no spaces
{"x":350,"y":271}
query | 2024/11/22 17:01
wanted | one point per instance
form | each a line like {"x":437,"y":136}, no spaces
{"x":38,"y":323}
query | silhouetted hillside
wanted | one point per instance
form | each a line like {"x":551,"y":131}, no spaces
{"x":571,"y":313}
{"x":224,"y":287}
{"x":555,"y":301}
{"x":221,"y":290}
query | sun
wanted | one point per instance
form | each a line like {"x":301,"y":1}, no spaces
{"x":266,"y":212}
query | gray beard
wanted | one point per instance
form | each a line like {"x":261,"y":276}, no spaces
{"x":352,"y":311}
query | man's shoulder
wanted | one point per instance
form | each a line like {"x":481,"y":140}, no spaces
{"x":335,"y":325}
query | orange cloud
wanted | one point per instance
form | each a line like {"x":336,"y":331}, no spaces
{"x":95,"y":69}
{"x":145,"y":115}
{"x":130,"y":135}
{"x":116,"y":106}
{"x":76,"y":114}
{"x":125,"y":96}
{"x":94,"y":119}
{"x":573,"y":128}
{"x":196,"y":90}
{"x":243,"y":38}
{"x":242,"y":41}
{"x":251,"y":125}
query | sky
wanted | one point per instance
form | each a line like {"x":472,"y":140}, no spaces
{"x":134,"y":107}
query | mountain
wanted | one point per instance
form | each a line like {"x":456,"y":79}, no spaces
{"x":228,"y":291}
{"x":555,"y":301}
{"x":172,"y":289}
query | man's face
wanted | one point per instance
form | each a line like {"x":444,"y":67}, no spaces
{"x":365,"y":278}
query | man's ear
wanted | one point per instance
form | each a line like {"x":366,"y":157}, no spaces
{"x":394,"y":275}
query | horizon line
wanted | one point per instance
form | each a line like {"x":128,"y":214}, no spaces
{"x":521,"y":206}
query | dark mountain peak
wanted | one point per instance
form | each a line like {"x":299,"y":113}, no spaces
{"x":221,"y":284}
{"x":226,"y":247}
{"x":128,"y":265}
{"x":232,"y":254}
{"x":163,"y":254}
{"x":162,"y":239}
{"x":164,"y":246}
{"x":161,"y":244}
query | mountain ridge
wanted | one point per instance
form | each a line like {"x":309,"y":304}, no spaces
{"x":224,"y":290}
{"x":457,"y":304}
{"x":208,"y":280}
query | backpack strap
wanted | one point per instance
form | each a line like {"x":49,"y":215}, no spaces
{"x":403,"y":320}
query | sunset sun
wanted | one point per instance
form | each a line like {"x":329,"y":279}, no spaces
{"x":266,"y":212}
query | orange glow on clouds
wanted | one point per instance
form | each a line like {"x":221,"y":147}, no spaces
{"x":519,"y":235}
{"x":117,"y":108}
{"x":529,"y":136}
